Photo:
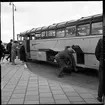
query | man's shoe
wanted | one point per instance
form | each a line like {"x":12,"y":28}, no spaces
{"x":99,"y":99}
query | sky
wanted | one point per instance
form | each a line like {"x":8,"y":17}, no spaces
{"x":30,"y":15}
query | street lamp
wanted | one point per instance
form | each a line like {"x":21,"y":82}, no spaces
{"x":13,"y":9}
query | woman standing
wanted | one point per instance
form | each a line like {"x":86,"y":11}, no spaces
{"x":13,"y":52}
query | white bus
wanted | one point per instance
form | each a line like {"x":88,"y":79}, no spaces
{"x":44,"y":43}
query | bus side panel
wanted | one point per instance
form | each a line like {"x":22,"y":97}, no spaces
{"x":91,"y":61}
{"x":87,"y":44}
{"x":36,"y":45}
{"x":38,"y":55}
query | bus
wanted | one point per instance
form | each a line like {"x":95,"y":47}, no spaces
{"x":43,"y":43}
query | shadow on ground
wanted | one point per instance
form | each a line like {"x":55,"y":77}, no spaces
{"x":86,"y":78}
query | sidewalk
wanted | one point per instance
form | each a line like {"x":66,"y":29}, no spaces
{"x":20,"y":86}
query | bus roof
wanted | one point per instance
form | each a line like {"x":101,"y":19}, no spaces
{"x":44,"y":28}
{"x":82,"y":20}
{"x":38,"y":30}
{"x":53,"y":26}
{"x":61,"y":25}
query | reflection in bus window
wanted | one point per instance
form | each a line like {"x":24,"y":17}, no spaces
{"x":83,"y":30}
{"x":50,"y":33}
{"x":22,"y":38}
{"x":43,"y":34}
{"x":38,"y":36}
{"x":60,"y":33}
{"x":28,"y":38}
{"x":33,"y":37}
{"x":70,"y":31}
{"x":97,"y":28}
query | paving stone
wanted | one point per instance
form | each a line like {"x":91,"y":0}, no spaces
{"x":4,"y":102}
{"x":46,"y":100}
{"x":68,"y":90}
{"x":32,"y":88}
{"x":6,"y":93}
{"x":86,"y":95}
{"x":5,"y":98}
{"x":44,"y":90}
{"x":19,"y":91}
{"x":46,"y":86}
{"x":32,"y":93}
{"x":7,"y":90}
{"x":91,"y":101}
{"x":31,"y":98}
{"x":81,"y":90}
{"x":57,"y":92}
{"x":10,"y":86}
{"x":75,"y":99}
{"x":78,"y":102}
{"x":16,"y":101}
{"x":33,"y":82}
{"x":17,"y":95}
{"x":63,"y":101}
{"x":31,"y":102}
{"x":71,"y":94}
{"x":21,"y":87}
{"x":45,"y":95}
{"x":60,"y":96}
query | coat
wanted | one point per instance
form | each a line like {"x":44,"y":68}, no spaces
{"x":99,"y":51}
{"x":13,"y":51}
{"x":9,"y":46}
{"x":22,"y":53}
{"x":62,"y":58}
{"x":2,"y":51}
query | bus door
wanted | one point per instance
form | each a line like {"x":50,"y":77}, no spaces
{"x":79,"y":53}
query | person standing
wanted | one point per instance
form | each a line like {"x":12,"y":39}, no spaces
{"x":99,"y":56}
{"x":2,"y":52}
{"x":13,"y":52}
{"x":9,"y":45}
{"x":65,"y":59}
{"x":22,"y":53}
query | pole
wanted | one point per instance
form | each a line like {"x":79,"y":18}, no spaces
{"x":13,"y":22}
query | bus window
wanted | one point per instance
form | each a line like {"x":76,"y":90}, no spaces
{"x":33,"y":37}
{"x":22,"y":38}
{"x":43,"y":34}
{"x":38,"y":36}
{"x":83,"y":30}
{"x":60,"y":33}
{"x":51,"y":33}
{"x":70,"y":31}
{"x":97,"y":28}
{"x":28,"y":38}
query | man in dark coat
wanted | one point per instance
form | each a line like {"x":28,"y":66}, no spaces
{"x":9,"y":45}
{"x":22,"y":53}
{"x":99,"y":56}
{"x":65,"y":59}
{"x":2,"y":51}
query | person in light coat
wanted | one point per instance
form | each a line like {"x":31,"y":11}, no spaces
{"x":13,"y":52}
